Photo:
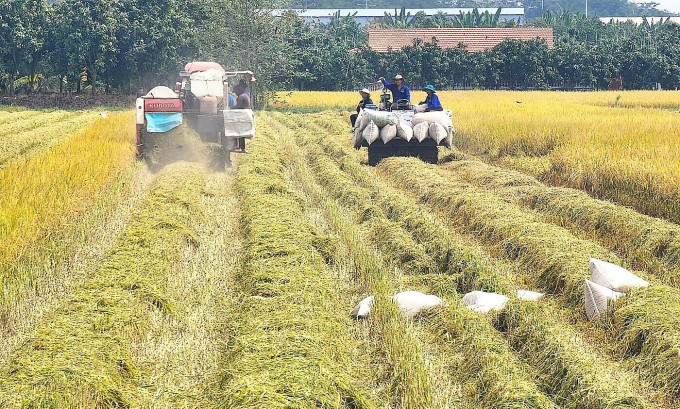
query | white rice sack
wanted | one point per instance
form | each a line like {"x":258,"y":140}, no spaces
{"x":413,"y":302}
{"x":388,"y":132}
{"x":420,"y":107}
{"x":371,"y":133}
{"x":614,"y":277}
{"x":483,"y":302}
{"x":362,"y":121}
{"x":421,"y":130}
{"x":437,"y":132}
{"x":358,"y":137}
{"x":527,"y":295}
{"x":382,"y":118}
{"x":598,"y":299}
{"x":404,"y":131}
{"x":363,"y":308}
{"x":440,"y":117}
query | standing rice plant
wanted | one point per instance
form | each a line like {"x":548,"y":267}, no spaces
{"x":43,"y":196}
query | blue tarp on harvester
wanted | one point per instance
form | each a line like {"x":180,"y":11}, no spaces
{"x":162,"y":122}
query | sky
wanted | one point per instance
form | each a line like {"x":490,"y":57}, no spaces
{"x":670,"y":5}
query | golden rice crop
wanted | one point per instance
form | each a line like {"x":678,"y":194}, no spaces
{"x":83,"y":353}
{"x":584,"y":140}
{"x":41,"y":131}
{"x":40,"y":196}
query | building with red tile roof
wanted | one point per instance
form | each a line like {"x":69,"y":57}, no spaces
{"x":475,"y":39}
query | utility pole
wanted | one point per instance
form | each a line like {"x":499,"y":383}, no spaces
{"x":586,"y":8}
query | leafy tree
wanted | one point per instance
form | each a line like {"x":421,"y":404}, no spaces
{"x":23,"y":33}
{"x":86,"y":32}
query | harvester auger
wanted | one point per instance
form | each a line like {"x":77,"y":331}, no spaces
{"x":201,"y":100}
{"x":401,"y":130}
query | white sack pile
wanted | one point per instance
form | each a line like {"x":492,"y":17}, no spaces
{"x":607,"y":283}
{"x":435,"y":125}
{"x":409,"y":302}
{"x":483,"y":302}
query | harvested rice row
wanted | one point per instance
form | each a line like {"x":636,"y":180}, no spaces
{"x":453,"y":255}
{"x":42,"y":197}
{"x":183,"y":349}
{"x":560,"y":260}
{"x":291,"y":344}
{"x":82,"y":354}
{"x":497,"y":379}
{"x":601,"y":382}
{"x":25,"y":144}
{"x":410,"y":381}
{"x":10,"y":116}
{"x":647,"y":243}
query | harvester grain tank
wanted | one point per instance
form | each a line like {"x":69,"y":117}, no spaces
{"x":200,"y":99}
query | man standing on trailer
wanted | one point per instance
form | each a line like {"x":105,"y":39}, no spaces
{"x":399,"y":91}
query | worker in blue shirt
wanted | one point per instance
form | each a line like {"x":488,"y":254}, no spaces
{"x":432,"y":99}
{"x":400,"y":92}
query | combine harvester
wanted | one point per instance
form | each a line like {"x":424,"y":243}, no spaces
{"x":404,"y":131}
{"x":200,"y":100}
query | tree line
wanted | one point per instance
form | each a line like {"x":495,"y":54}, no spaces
{"x":117,"y":46}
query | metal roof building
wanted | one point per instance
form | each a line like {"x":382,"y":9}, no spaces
{"x":476,"y":39}
{"x":363,"y":16}
{"x":639,"y":20}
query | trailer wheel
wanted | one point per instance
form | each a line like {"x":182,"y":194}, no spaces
{"x":426,"y":151}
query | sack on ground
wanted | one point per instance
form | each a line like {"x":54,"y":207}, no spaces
{"x":598,"y":299}
{"x":614,"y":277}
{"x":410,"y":303}
{"x":371,"y":133}
{"x":363,"y":308}
{"x":437,"y":132}
{"x":413,"y":302}
{"x":388,"y":132}
{"x":484,"y":302}
{"x":421,"y":130}
{"x":527,"y":295}
{"x":404,"y":131}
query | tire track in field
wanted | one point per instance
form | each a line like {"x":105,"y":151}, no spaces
{"x":182,"y":350}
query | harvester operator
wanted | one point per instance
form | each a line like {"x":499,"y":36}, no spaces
{"x":432,"y":100}
{"x":365,"y":100}
{"x":399,"y":90}
{"x":242,"y":102}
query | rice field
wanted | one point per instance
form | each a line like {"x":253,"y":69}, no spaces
{"x":181,"y":287}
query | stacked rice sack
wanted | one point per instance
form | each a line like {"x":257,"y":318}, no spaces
{"x":371,"y":125}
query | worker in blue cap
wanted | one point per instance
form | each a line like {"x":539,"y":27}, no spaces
{"x":432,"y":99}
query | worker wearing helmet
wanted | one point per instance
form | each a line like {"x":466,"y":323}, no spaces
{"x":365,"y":100}
{"x":432,"y":99}
{"x":400,"y":92}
